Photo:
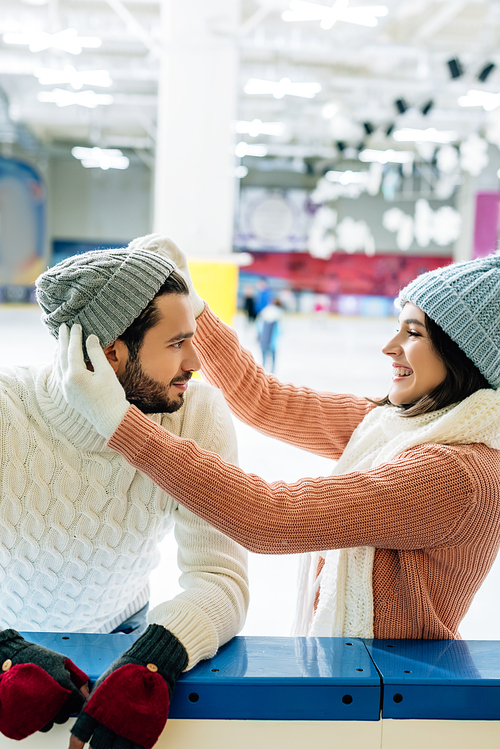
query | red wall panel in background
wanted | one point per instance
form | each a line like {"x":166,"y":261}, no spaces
{"x":380,"y":275}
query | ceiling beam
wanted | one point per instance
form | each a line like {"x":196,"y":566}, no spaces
{"x":441,"y":18}
{"x":134,"y":26}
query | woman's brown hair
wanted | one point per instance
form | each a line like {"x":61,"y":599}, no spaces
{"x":462,"y":377}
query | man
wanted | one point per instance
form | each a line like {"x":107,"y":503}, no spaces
{"x":79,"y":527}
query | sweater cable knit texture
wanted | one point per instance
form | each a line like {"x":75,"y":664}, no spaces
{"x":79,"y":527}
{"x":432,"y":513}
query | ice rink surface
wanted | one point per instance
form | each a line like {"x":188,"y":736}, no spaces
{"x":324,"y":352}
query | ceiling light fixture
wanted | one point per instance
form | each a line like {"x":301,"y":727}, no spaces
{"x":429,"y":135}
{"x":102,"y":158}
{"x":385,"y":157}
{"x":249,"y":149}
{"x":348,"y":177}
{"x":257,"y":127}
{"x":328,"y":15}
{"x":67,"y":40}
{"x":329,"y":110}
{"x":63,"y":98}
{"x":483,"y":99}
{"x":282,"y":88}
{"x":76,"y":79}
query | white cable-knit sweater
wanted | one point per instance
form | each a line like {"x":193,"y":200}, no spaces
{"x":80,"y":527}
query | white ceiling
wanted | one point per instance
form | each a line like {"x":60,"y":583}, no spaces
{"x":362,"y":71}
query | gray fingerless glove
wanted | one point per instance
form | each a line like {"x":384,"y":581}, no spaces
{"x":37,"y":686}
{"x":128,"y":707}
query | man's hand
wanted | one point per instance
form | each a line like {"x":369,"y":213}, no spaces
{"x":168,"y":248}
{"x":38,"y":687}
{"x":128,"y":707}
{"x":97,"y":395}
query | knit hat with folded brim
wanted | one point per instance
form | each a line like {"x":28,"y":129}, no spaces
{"x":464,"y":300}
{"x":103,"y":290}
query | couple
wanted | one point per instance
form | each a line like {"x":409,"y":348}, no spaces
{"x":405,"y":529}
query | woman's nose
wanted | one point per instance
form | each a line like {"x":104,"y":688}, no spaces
{"x":392,"y":347}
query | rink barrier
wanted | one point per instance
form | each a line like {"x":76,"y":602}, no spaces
{"x":319,"y":679}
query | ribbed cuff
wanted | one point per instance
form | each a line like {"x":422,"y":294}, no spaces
{"x":191,"y":626}
{"x":11,"y":642}
{"x":84,"y":727}
{"x":159,"y":646}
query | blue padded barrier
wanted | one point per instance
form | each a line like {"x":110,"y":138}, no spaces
{"x":282,"y":678}
{"x":438,"y":679}
{"x":274,"y":678}
{"x":253,"y":678}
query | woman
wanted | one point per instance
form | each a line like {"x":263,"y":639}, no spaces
{"x":411,"y":513}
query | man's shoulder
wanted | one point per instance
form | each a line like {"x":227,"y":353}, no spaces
{"x":201,"y":392}
{"x":18,"y":377}
{"x":203,"y":398}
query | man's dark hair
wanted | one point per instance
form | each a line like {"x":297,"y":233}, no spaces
{"x":150,"y":315}
{"x":462,"y":376}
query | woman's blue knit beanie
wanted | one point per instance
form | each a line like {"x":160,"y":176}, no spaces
{"x":464,"y":300}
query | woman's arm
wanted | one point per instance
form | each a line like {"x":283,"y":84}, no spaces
{"x":321,"y":423}
{"x":420,"y":500}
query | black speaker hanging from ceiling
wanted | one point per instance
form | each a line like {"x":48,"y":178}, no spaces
{"x":485,"y":72}
{"x":455,"y":66}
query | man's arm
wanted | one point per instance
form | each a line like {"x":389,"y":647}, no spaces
{"x":130,"y":701}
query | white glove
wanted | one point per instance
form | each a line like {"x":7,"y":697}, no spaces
{"x":97,"y":395}
{"x":166,"y":247}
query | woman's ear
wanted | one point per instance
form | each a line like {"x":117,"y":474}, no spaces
{"x":117,"y":355}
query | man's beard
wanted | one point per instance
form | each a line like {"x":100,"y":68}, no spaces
{"x":150,"y":396}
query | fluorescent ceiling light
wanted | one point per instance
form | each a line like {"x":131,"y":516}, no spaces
{"x":347,"y":178}
{"x":104,"y":158}
{"x":67,"y":40}
{"x":429,"y":135}
{"x":247,"y":149}
{"x":483,"y":99}
{"x":329,"y":110}
{"x":257,"y":127}
{"x":282,"y":88}
{"x":63,"y":98}
{"x":383,"y":157}
{"x":76,"y":79}
{"x":328,"y":15}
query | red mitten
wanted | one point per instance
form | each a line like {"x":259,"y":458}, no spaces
{"x":128,"y":707}
{"x":37,"y":687}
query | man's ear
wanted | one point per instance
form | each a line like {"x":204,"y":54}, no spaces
{"x":117,"y":355}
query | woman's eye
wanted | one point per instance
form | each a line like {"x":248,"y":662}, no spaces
{"x":413,"y":333}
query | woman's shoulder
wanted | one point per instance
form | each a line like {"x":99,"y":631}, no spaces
{"x":480,"y":462}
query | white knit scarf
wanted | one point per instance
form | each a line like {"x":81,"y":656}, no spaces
{"x":345,"y":607}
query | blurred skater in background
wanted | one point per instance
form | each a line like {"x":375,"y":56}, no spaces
{"x":268,"y":332}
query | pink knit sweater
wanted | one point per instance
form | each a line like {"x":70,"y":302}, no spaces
{"x":432,"y":513}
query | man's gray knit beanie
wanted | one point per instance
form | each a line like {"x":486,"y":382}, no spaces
{"x":103,"y":290}
{"x":464,"y":300}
